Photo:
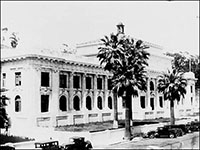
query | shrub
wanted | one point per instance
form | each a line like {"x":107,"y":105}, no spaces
{"x":13,"y":139}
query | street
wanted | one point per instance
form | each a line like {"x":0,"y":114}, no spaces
{"x":188,"y":141}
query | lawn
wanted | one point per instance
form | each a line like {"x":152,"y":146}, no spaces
{"x":100,"y":126}
{"x":12,"y":139}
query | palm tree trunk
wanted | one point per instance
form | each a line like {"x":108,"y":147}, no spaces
{"x":130,"y":111}
{"x":115,"y":121}
{"x":127,"y":135}
{"x":172,"y":117}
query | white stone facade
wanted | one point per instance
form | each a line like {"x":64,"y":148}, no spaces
{"x":52,"y":89}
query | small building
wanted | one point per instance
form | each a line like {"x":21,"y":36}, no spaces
{"x":49,"y":88}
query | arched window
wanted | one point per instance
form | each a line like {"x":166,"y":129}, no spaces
{"x":63,"y":103}
{"x":17,"y":103}
{"x":109,"y":102}
{"x":191,"y":100}
{"x":161,"y":101}
{"x":76,"y":103}
{"x":142,"y":101}
{"x":151,"y":86}
{"x":152,"y":103}
{"x":99,"y":102}
{"x":88,"y":103}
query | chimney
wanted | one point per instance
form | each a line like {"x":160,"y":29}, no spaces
{"x":120,"y":28}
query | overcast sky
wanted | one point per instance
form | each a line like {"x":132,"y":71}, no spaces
{"x":173,"y":25}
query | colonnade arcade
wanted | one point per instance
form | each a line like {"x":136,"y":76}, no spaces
{"x":79,"y":91}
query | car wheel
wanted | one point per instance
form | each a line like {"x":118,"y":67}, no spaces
{"x":151,"y":136}
{"x":181,"y":133}
{"x":88,"y":145}
{"x":171,"y":135}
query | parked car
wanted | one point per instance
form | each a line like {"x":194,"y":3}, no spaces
{"x":193,"y":126}
{"x":163,"y":132}
{"x":47,"y":145}
{"x":181,"y":129}
{"x":77,"y":143}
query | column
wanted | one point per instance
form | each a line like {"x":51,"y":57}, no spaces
{"x":95,"y":92}
{"x":148,"y":96}
{"x":70,"y":102}
{"x":83,"y":100}
{"x":106,"y":92}
{"x":53,"y":98}
{"x":156,"y":99}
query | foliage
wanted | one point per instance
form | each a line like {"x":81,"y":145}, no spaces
{"x":13,"y":139}
{"x":12,"y":37}
{"x":184,"y":62}
{"x":126,"y":59}
{"x":3,"y":114}
{"x":172,"y":84}
{"x":14,"y":40}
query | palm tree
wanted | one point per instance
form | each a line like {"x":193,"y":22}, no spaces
{"x":173,"y":85}
{"x":3,"y":114}
{"x":126,"y":60}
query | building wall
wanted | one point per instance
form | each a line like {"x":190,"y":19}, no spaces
{"x":31,"y":90}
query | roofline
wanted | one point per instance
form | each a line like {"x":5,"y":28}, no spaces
{"x":99,"y":42}
{"x":22,"y":57}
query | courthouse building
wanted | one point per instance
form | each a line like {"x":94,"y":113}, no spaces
{"x":51,"y":88}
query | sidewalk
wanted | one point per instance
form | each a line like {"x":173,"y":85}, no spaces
{"x":188,"y":141}
{"x":100,"y":141}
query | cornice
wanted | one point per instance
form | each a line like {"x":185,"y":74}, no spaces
{"x":51,"y":59}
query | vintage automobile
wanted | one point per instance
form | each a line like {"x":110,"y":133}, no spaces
{"x":164,"y":132}
{"x":181,"y":129}
{"x":77,"y":143}
{"x":47,"y":145}
{"x":193,"y":126}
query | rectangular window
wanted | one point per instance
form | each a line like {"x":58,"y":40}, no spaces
{"x":45,"y":79}
{"x":17,"y":78}
{"x":142,"y":101}
{"x":109,"y":84}
{"x":63,"y":81}
{"x":44,"y":103}
{"x":191,"y":87}
{"x":3,"y":79}
{"x":161,"y":101}
{"x":76,"y":82}
{"x":191,"y":100}
{"x":99,"y":83}
{"x":88,"y":83}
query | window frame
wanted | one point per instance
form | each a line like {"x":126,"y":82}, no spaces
{"x":161,"y":101}
{"x":99,"y":100}
{"x":99,"y":84}
{"x":110,"y":102}
{"x":79,"y":107}
{"x":143,"y":98}
{"x":63,"y":103}
{"x":3,"y":79}
{"x":44,"y":82}
{"x":18,"y":104}
{"x":109,"y":84}
{"x":77,"y":82}
{"x":90,"y":106}
{"x":44,"y":107}
{"x":63,"y":84}
{"x":87,"y":84}
{"x":18,"y":78}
